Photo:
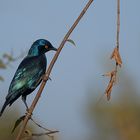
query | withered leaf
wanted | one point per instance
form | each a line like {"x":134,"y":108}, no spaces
{"x":111,"y":83}
{"x":116,"y":56}
{"x":108,"y":90}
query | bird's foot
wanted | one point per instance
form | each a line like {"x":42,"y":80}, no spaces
{"x":28,"y":113}
{"x":45,"y":78}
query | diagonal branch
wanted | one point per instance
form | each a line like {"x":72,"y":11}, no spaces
{"x":46,"y":77}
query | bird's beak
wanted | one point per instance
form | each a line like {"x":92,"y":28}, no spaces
{"x":53,"y":48}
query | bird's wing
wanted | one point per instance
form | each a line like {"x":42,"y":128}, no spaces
{"x":27,"y":76}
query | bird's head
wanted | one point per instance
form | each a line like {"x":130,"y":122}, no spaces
{"x":39,"y":47}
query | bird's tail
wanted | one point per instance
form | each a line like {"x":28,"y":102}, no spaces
{"x":3,"y":108}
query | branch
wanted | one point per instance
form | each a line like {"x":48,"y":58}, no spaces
{"x":118,"y":23}
{"x":47,"y":133}
{"x":116,"y":56}
{"x":46,"y":77}
{"x":40,"y":125}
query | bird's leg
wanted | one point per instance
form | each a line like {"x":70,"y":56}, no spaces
{"x":24,"y":100}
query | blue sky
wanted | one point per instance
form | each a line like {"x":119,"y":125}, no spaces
{"x":78,"y":68}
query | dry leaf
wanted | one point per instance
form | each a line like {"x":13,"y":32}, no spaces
{"x":112,"y":81}
{"x":116,"y":55}
{"x":108,"y":90}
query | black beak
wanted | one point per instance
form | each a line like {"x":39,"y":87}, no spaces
{"x":50,"y":48}
{"x":54,"y":49}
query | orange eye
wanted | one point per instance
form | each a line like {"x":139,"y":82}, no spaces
{"x":46,"y":47}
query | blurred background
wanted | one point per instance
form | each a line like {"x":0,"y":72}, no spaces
{"x":70,"y":102}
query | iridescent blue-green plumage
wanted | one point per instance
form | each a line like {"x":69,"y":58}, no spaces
{"x":29,"y":73}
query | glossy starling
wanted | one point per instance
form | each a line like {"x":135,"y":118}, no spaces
{"x":29,"y":73}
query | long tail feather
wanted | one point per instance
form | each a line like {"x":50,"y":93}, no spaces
{"x":3,"y":108}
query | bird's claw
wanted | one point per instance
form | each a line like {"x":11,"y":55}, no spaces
{"x":45,"y":78}
{"x":28,"y":113}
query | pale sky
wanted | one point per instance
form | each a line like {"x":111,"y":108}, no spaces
{"x":78,"y":68}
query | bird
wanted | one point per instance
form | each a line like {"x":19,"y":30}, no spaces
{"x":29,"y":73}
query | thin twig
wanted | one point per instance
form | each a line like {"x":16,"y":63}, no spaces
{"x":118,"y":30}
{"x":48,"y":132}
{"x":116,"y":56}
{"x":40,"y":125}
{"x":46,"y":77}
{"x":118,"y":23}
{"x":42,"y":134}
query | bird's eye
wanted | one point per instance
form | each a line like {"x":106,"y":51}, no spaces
{"x":46,"y":47}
